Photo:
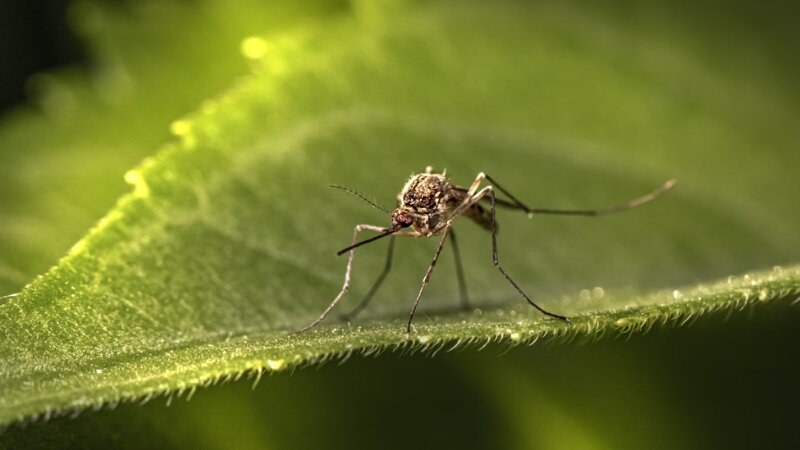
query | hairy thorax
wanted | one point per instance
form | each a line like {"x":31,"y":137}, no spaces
{"x":430,"y":198}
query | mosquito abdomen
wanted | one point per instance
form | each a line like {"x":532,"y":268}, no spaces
{"x":480,"y":215}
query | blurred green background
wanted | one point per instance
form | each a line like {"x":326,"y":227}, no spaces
{"x":719,"y":383}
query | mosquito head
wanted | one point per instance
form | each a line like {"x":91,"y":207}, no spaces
{"x":401,"y":219}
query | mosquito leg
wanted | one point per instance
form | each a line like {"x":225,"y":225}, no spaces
{"x":462,"y":283}
{"x":517,"y":202}
{"x":427,"y":278}
{"x":630,"y":204}
{"x":365,"y":301}
{"x":470,"y":199}
{"x":473,"y":188}
{"x":490,"y":192}
{"x":346,"y":284}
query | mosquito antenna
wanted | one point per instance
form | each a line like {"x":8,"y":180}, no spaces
{"x":367,"y":241}
{"x":639,"y":201}
{"x":347,"y":189}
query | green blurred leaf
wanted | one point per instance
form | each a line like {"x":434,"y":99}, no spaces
{"x":62,"y":160}
{"x":227,"y":240}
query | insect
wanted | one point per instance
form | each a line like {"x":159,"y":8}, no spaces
{"x":429,"y":204}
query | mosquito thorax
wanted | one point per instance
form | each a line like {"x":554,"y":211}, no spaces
{"x":425,"y":193}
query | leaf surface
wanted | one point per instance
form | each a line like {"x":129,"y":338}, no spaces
{"x":227,"y":241}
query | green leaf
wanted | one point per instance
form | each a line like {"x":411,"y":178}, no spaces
{"x":226,"y":242}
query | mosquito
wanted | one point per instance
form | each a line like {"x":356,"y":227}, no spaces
{"x":428,"y":205}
